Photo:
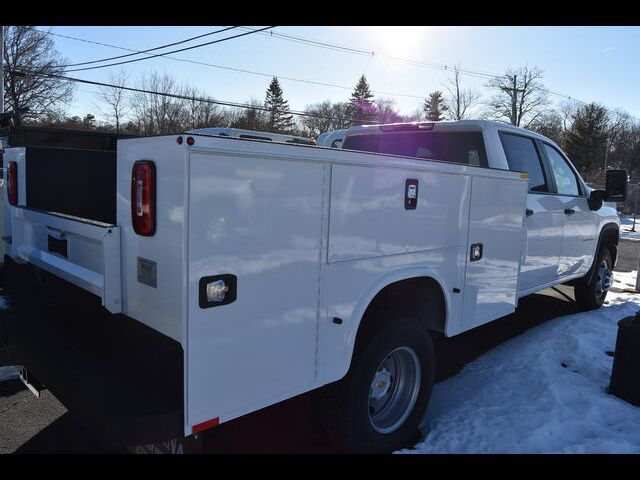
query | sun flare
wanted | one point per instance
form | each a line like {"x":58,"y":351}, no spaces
{"x":399,"y":40}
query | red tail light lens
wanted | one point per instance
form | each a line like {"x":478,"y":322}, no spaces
{"x":12,"y":183}
{"x":143,"y":198}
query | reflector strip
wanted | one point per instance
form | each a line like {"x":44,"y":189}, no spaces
{"x":205,"y":425}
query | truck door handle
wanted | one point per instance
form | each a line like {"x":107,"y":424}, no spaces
{"x":529,"y":212}
{"x":569,"y":211}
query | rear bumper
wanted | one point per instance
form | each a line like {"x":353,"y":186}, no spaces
{"x":120,"y":378}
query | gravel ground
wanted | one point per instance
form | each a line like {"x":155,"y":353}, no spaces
{"x":628,"y":254}
{"x":22,"y":414}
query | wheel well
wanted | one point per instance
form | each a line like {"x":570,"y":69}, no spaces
{"x":610,"y":239}
{"x":419,"y":297}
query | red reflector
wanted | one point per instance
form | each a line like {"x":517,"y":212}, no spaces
{"x":190,"y":141}
{"x":12,"y":183}
{"x":179,"y":140}
{"x":205,"y":425}
{"x":143,"y":198}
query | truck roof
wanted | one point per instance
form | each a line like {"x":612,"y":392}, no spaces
{"x":442,"y":126}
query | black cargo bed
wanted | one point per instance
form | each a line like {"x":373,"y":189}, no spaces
{"x":80,"y":183}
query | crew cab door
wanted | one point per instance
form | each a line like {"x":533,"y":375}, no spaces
{"x":580,"y":229}
{"x":544,"y":215}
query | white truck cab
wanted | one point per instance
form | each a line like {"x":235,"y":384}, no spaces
{"x":234,"y":273}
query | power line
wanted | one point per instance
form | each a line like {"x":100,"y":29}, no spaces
{"x":173,"y":51}
{"x":419,"y":63}
{"x":170,"y":95}
{"x":247,"y":71}
{"x":331,"y":46}
{"x":317,"y":43}
{"x":150,"y":49}
{"x":370,"y":53}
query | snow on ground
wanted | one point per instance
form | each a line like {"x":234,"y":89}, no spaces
{"x":542,"y":392}
{"x":626,"y":224}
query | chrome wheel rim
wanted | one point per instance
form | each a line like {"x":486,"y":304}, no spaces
{"x":604,"y":279}
{"x":394,"y":390}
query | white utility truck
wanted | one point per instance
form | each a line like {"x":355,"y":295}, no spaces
{"x":181,"y":281}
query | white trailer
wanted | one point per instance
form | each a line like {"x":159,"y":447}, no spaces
{"x":253,"y":272}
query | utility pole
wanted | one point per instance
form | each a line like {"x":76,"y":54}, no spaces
{"x":514,"y":98}
{"x":1,"y":68}
{"x":513,"y":91}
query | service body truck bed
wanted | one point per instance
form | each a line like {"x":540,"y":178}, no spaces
{"x":303,"y":241}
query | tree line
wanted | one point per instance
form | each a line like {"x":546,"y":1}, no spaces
{"x":592,"y":136}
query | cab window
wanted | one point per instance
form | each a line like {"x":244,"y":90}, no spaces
{"x":458,"y":147}
{"x":566,"y":181}
{"x":522,"y":156}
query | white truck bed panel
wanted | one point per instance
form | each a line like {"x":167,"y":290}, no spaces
{"x":495,"y":221}
{"x":368,"y":218}
{"x":162,"y":306}
{"x":261,"y":221}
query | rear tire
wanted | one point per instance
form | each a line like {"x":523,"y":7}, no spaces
{"x":378,"y":406}
{"x":592,"y":295}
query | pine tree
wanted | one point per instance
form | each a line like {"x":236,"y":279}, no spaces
{"x":279,"y":120}
{"x":587,"y":139}
{"x":434,"y":107}
{"x":361,"y":107}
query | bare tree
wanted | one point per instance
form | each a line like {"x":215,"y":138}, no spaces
{"x":618,"y":122}
{"x":115,"y":99}
{"x":459,"y":100}
{"x":417,"y":115}
{"x":252,"y":118}
{"x":520,"y":98}
{"x":549,"y":124}
{"x":30,"y":56}
{"x":568,"y":110}
{"x":158,"y":113}
{"x":386,"y":111}
{"x":320,"y":118}
{"x":326,"y":116}
{"x":198,"y":112}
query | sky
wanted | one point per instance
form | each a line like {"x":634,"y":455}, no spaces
{"x":588,"y":63}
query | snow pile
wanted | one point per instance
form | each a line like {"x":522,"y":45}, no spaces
{"x":626,"y":224}
{"x":542,"y":392}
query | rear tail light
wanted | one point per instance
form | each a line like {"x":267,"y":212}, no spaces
{"x":12,"y":183}
{"x":143,"y":197}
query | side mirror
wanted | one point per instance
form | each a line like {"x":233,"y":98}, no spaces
{"x":595,"y":199}
{"x":616,"y":186}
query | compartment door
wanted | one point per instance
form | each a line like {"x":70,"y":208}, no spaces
{"x":496,"y":229}
{"x":255,"y":224}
